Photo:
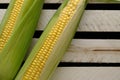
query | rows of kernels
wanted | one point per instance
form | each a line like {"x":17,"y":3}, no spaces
{"x":41,"y":57}
{"x":7,"y":31}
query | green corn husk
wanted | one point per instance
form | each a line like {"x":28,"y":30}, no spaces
{"x":59,"y":48}
{"x":13,"y":53}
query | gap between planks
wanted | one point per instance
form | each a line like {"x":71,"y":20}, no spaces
{"x":87,"y":53}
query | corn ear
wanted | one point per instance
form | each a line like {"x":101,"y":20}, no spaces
{"x":54,"y":41}
{"x":16,"y":32}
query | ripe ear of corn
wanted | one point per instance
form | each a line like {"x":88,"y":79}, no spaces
{"x":54,"y":41}
{"x":16,"y":32}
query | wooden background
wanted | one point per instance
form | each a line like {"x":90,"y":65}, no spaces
{"x":94,"y":53}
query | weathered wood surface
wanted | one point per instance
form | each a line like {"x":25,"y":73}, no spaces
{"x":87,"y":73}
{"x":92,"y":20}
{"x":87,"y":50}
{"x":51,"y":1}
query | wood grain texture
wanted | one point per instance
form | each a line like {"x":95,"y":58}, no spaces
{"x":4,"y":1}
{"x":2,"y":12}
{"x":87,"y":73}
{"x":92,"y":20}
{"x":85,"y":50}
{"x":53,"y":1}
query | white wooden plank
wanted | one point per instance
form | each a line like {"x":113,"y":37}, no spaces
{"x":47,"y":1}
{"x":4,"y":1}
{"x":92,"y":20}
{"x":93,"y":51}
{"x":60,"y":1}
{"x":87,"y":50}
{"x":83,"y":50}
{"x":86,"y":73}
{"x":2,"y":12}
{"x":51,"y":1}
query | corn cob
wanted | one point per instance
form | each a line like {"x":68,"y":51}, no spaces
{"x":16,"y":32}
{"x":54,"y":41}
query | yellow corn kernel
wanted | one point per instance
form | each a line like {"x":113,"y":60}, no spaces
{"x":7,"y":31}
{"x":16,"y":31}
{"x":53,"y":42}
{"x":35,"y":68}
